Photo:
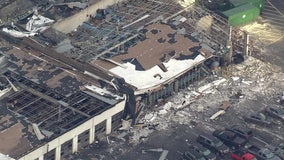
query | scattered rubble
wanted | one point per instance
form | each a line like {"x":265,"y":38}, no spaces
{"x":34,"y":26}
{"x":126,"y":124}
{"x":217,"y":114}
{"x":209,"y":105}
{"x":249,"y":79}
{"x":265,"y":33}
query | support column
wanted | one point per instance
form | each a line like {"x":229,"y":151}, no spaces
{"x":108,"y":125}
{"x":199,"y":74}
{"x":58,"y":152}
{"x":246,"y":47}
{"x":92,"y":135}
{"x":40,"y":158}
{"x":75,"y":144}
{"x":176,"y":85}
{"x":150,"y":99}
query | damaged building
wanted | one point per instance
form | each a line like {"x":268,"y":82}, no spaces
{"x":158,"y":65}
{"x":68,"y":85}
{"x":46,"y":114}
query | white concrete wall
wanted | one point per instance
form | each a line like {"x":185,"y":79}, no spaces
{"x":90,"y":124}
{"x":71,"y":23}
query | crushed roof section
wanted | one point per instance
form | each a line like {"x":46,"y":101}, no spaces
{"x":161,"y":56}
{"x":161,"y":44}
{"x":43,"y":72}
{"x":15,"y":134}
{"x":155,"y":76}
{"x":115,"y":25}
{"x":48,"y":97}
{"x":54,"y":114}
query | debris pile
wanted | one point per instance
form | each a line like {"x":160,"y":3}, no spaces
{"x":248,"y":80}
{"x":265,"y":33}
{"x":254,"y":69}
{"x":35,"y":25}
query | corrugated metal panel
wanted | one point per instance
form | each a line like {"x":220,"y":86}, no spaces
{"x":225,"y":6}
{"x":242,"y":14}
{"x":257,"y":3}
{"x":237,"y":3}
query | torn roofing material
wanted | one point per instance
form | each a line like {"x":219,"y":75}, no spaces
{"x":49,"y":102}
{"x":147,"y":79}
{"x":5,"y":157}
{"x":161,"y":57}
{"x":49,"y":115}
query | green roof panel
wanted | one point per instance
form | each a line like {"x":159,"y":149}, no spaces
{"x":242,"y":14}
{"x":237,"y":10}
{"x":256,"y":3}
{"x":238,"y":2}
